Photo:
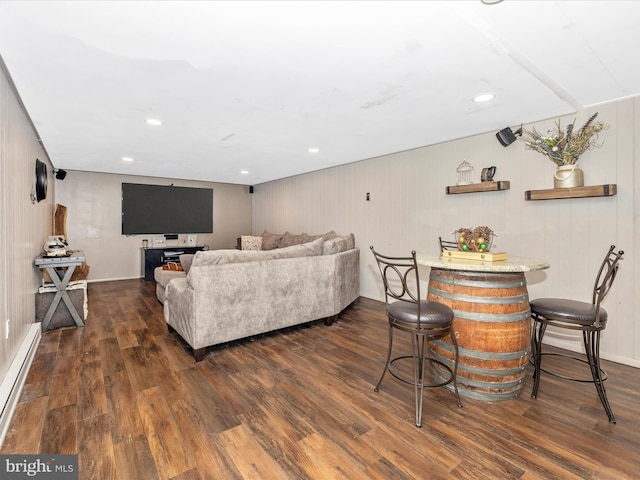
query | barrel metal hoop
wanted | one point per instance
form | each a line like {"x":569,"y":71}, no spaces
{"x":524,"y":297}
{"x":493,"y":396}
{"x":504,"y":372}
{"x":489,"y":397}
{"x":494,"y":317}
{"x":489,"y":385}
{"x":516,"y":282}
{"x":482,"y":355}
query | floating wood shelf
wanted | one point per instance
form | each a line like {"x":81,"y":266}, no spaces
{"x":479,"y":187}
{"x":607,"y":190}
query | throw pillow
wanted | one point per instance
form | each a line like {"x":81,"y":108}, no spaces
{"x":338,"y":244}
{"x":289,"y":240}
{"x":311,"y":238}
{"x":271,"y":241}
{"x":249,"y":242}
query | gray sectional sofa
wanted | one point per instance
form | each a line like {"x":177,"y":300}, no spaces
{"x":225,"y":295}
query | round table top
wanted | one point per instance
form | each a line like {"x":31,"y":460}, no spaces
{"x":511,"y":264}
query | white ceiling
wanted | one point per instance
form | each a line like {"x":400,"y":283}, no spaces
{"x":253,"y":85}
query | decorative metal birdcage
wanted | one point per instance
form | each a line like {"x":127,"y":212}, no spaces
{"x":465,"y":173}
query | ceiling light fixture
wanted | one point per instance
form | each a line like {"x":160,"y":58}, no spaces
{"x":154,"y":121}
{"x":491,"y":2}
{"x":314,"y":150}
{"x":484,"y":97}
{"x":127,"y":159}
{"x":244,"y":172}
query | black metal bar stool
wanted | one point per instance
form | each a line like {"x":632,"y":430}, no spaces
{"x":447,"y":245}
{"x":589,"y":318}
{"x":422,"y":319}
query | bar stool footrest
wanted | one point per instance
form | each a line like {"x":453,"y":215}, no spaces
{"x":564,"y":377}
{"x":431,"y":361}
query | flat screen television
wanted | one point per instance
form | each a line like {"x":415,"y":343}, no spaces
{"x":166,"y":209}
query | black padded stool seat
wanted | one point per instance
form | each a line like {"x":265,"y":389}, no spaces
{"x":569,"y":311}
{"x":432,"y":314}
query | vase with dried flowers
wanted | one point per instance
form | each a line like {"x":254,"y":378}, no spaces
{"x":564,"y":147}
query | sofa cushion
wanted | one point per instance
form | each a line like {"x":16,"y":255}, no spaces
{"x":163,"y":277}
{"x":338,"y":244}
{"x":270,"y":241}
{"x":219,"y":257}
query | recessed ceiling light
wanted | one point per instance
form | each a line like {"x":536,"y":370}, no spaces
{"x":244,"y":172}
{"x":127,"y":159}
{"x":314,"y":150}
{"x":484,"y":97}
{"x":154,"y":121}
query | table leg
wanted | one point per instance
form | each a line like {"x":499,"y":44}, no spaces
{"x":61,"y":294}
{"x":492,"y":321}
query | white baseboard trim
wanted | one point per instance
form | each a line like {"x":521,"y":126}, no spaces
{"x":97,"y":280}
{"x":11,"y":386}
{"x":579,"y":348}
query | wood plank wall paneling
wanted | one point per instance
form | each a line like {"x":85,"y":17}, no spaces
{"x":408,"y":209}
{"x":24,"y":225}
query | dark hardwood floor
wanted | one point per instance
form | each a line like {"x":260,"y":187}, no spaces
{"x":127,"y":396}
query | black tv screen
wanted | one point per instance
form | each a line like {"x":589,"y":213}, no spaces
{"x":165,"y":209}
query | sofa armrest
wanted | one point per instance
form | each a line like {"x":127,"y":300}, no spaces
{"x":179,"y":307}
{"x":347,"y":278}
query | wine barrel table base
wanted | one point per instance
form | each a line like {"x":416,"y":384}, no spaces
{"x":493,"y":327}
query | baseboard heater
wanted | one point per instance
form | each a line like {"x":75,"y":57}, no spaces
{"x":11,"y":386}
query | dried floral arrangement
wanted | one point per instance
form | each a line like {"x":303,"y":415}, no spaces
{"x":478,"y":239}
{"x":564,"y":147}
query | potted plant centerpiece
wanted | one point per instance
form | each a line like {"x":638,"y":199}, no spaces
{"x":564,"y":147}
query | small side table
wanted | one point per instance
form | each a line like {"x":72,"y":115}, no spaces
{"x":55,"y":268}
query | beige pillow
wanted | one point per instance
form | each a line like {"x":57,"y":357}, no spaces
{"x":330,"y":235}
{"x":338,"y":244}
{"x":311,"y":238}
{"x":271,"y":240}
{"x":249,"y":242}
{"x":288,"y":240}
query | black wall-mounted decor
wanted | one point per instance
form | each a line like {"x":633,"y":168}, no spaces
{"x":506,"y":136}
{"x":41,"y":180}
